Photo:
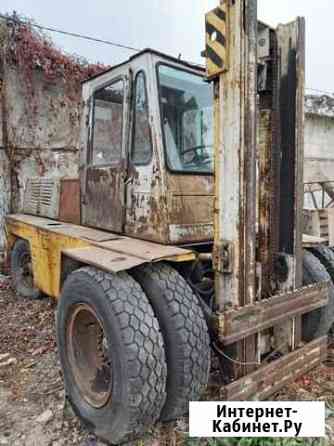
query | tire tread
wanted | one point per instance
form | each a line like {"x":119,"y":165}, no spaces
{"x":319,"y":322}
{"x":191,"y":337}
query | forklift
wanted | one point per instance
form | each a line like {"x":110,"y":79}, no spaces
{"x":182,"y":238}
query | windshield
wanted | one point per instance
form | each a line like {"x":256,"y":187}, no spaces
{"x":187,"y":120}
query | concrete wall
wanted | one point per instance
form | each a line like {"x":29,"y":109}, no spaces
{"x":319,"y":148}
{"x":319,"y":139}
{"x":42,"y":131}
{"x":39,"y":136}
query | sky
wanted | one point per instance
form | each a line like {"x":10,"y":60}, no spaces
{"x":173,"y":26}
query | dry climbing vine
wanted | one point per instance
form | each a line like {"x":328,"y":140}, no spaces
{"x":30,"y":49}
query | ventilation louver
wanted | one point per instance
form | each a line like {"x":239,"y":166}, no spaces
{"x":41,"y":197}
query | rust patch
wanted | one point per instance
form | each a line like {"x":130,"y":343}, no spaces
{"x":104,"y":200}
{"x":69,"y":205}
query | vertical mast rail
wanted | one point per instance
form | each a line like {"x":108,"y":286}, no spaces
{"x":235,"y":90}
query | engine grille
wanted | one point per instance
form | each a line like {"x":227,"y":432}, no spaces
{"x":42,"y":196}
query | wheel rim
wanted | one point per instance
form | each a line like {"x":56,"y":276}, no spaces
{"x":89,"y":355}
{"x":26,"y":270}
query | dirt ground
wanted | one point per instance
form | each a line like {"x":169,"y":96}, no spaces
{"x":32,"y":410}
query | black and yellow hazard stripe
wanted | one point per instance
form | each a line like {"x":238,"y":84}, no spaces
{"x":216,"y":40}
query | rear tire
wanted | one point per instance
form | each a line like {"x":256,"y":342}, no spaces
{"x":185,"y":335}
{"x":21,"y":270}
{"x":116,"y":380}
{"x":319,"y":322}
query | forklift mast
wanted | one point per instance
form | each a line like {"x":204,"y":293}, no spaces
{"x":258,"y":76}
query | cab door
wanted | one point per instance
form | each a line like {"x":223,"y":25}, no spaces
{"x":106,"y":167}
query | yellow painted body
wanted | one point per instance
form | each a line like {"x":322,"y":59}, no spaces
{"x":50,"y":241}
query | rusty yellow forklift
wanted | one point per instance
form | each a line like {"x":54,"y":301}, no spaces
{"x":183,"y":237}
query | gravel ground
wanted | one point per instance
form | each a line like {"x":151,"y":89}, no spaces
{"x":32,"y":405}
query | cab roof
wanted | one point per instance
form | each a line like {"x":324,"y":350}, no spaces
{"x":180,"y":61}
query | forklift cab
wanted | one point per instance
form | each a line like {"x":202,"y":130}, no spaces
{"x":146,"y":167}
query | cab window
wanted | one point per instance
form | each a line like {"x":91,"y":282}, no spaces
{"x":108,"y":124}
{"x":186,"y":104}
{"x":141,"y":141}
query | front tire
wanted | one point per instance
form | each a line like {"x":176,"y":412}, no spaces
{"x":111,"y":352}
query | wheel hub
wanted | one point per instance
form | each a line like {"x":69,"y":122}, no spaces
{"x":89,"y":355}
{"x":26,"y":270}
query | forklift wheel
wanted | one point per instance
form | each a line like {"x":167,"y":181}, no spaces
{"x":326,"y":257}
{"x":319,"y":322}
{"x":185,"y":335}
{"x":21,"y":270}
{"x":111,"y":352}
